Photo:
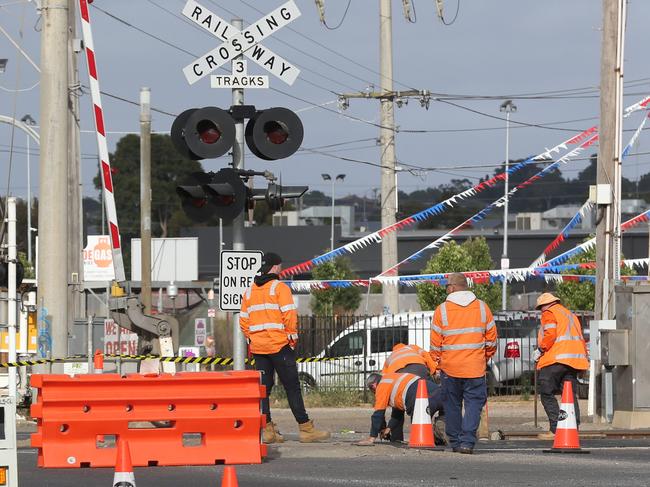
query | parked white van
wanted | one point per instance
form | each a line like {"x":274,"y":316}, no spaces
{"x":363,"y":347}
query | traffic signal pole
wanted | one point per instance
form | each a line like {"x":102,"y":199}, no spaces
{"x":238,"y":345}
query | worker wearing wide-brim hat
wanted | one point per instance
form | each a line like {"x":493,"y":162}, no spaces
{"x":560,"y":356}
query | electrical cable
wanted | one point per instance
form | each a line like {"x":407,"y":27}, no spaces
{"x":442,"y":18}
{"x":345,"y":14}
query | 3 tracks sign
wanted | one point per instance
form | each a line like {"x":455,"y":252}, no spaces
{"x":236,"y":42}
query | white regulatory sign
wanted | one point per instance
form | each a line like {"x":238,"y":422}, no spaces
{"x":237,"y":268}
{"x":246,"y":42}
{"x":230,"y":81}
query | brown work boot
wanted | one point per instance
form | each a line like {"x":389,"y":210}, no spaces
{"x":549,"y":435}
{"x":271,"y":434}
{"x":309,"y":434}
{"x":278,"y":437}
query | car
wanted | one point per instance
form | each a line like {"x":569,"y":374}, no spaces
{"x":363,"y":347}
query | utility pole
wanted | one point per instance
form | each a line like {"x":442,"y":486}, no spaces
{"x":238,"y":348}
{"x":608,"y":236}
{"x":52,"y":255}
{"x":387,"y":142}
{"x":76,"y":306}
{"x":145,"y":198}
{"x":388,"y":97}
{"x":608,"y":173}
{"x":11,"y":293}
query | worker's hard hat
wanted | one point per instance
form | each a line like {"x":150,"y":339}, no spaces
{"x":546,"y":298}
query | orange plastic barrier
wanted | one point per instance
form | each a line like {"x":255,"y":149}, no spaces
{"x":200,"y":418}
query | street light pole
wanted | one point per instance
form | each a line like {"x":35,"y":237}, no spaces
{"x":327,"y":177}
{"x":28,"y":120}
{"x":508,"y":107}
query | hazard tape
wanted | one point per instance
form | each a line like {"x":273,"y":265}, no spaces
{"x":176,"y":360}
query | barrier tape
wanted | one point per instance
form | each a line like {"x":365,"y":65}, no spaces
{"x":176,"y":360}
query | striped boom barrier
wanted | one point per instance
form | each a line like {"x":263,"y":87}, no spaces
{"x":100,"y":129}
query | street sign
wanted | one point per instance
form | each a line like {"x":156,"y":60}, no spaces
{"x":235,"y":81}
{"x":212,"y":313}
{"x":237,"y":268}
{"x":246,"y":42}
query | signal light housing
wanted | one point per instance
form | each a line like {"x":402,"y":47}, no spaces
{"x":209,"y":132}
{"x":274,"y":133}
{"x":194,"y":199}
{"x":227,"y":193}
{"x":276,"y":194}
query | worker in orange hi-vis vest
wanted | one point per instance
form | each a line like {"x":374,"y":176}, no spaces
{"x":561,"y":355}
{"x":463,"y":338}
{"x":399,"y":391}
{"x":413,"y":360}
{"x":269,"y":322}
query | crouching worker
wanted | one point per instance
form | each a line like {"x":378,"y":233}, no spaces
{"x":269,"y":322}
{"x":417,"y":361}
{"x":397,"y":390}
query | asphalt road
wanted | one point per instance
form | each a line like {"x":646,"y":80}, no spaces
{"x":610,"y":462}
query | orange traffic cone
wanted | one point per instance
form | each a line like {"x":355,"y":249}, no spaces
{"x":98,"y":362}
{"x":229,"y":477}
{"x":124,"y":476}
{"x":421,"y":428}
{"x":567,"y":439}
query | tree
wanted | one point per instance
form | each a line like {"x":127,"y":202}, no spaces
{"x":335,"y":300}
{"x":472,"y":255}
{"x":168,"y":169}
{"x":580,"y":296}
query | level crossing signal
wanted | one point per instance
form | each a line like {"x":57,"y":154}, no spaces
{"x":224,"y":195}
{"x":209,"y":132}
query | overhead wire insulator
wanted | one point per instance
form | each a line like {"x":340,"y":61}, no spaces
{"x":440,"y":9}
{"x":407,"y":10}
{"x":320,"y":4}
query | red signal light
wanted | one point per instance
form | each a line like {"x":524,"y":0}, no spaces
{"x":208,"y":132}
{"x":198,"y":202}
{"x":276,"y":132}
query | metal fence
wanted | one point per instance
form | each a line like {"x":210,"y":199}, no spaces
{"x":361,"y":345}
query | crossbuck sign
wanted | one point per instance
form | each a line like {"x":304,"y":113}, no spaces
{"x":246,"y":42}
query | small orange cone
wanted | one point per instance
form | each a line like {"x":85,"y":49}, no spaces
{"x":567,"y":439}
{"x":98,"y":362}
{"x":124,"y":476}
{"x":421,"y":428}
{"x":229,"y":477}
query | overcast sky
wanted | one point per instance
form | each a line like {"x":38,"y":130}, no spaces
{"x":497,"y":48}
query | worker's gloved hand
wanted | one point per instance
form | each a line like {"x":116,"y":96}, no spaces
{"x":385,"y":434}
{"x":537,"y":354}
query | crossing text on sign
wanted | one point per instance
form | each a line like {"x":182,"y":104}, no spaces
{"x":240,"y":42}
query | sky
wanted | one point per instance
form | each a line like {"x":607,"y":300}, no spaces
{"x":492,"y":49}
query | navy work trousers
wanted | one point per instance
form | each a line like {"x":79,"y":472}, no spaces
{"x":284,"y":364}
{"x":458,"y":392}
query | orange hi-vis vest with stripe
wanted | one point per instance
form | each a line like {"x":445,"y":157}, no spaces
{"x":560,"y":338}
{"x":268,"y":317}
{"x":403,"y":355}
{"x":391,"y":390}
{"x":463,"y":337}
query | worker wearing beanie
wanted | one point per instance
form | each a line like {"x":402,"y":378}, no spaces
{"x":560,"y":355}
{"x":269,"y":322}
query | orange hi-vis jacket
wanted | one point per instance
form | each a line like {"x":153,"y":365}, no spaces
{"x":403,"y":355}
{"x":463,"y":335}
{"x":268,"y":317}
{"x":560,"y":338}
{"x":391,"y":390}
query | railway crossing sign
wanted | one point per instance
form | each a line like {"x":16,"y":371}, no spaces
{"x":236,"y":42}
